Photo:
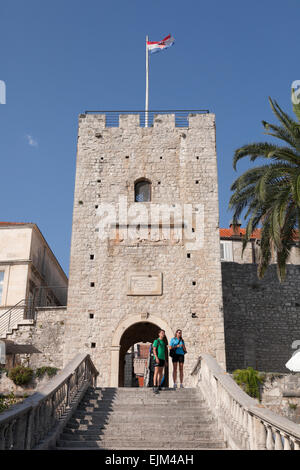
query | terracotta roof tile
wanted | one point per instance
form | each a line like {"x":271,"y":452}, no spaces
{"x":238,"y":232}
{"x":14,"y":223}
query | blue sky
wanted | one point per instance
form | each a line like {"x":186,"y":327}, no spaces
{"x":60,"y":58}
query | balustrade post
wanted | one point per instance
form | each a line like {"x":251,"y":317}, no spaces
{"x":68,"y":394}
{"x":260,"y":434}
{"x":251,"y":431}
{"x":278,"y":440}
{"x":3,"y":432}
{"x":270,"y":441}
{"x":286,"y":442}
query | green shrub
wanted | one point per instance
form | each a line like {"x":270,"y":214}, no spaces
{"x":249,"y":380}
{"x":2,"y":371}
{"x":21,"y":375}
{"x":41,"y":371}
{"x":6,"y":401}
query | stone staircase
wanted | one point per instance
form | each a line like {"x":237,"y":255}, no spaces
{"x":135,"y":418}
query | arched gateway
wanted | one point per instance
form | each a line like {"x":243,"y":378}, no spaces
{"x":131,"y":331}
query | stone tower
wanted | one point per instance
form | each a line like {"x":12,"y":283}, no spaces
{"x":123,"y":288}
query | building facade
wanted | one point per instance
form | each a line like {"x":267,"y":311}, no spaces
{"x":123,"y":288}
{"x":30,"y":275}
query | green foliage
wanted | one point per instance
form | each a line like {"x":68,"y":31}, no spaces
{"x":50,"y":371}
{"x":21,"y":375}
{"x":3,"y":371}
{"x":249,"y":380}
{"x":270,"y":193}
{"x":6,"y":401}
{"x":292,"y":406}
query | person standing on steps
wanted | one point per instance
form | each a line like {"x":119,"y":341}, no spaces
{"x":177,"y":352}
{"x":159,"y":351}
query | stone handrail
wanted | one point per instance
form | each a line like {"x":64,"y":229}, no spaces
{"x":37,"y":422}
{"x":244,"y":423}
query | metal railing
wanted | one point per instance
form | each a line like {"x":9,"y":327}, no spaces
{"x":14,"y":315}
{"x":44,"y":296}
{"x":38,"y":421}
{"x":25,"y":309}
{"x":181,"y":116}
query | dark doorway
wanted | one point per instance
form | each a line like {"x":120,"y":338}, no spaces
{"x":142,"y":332}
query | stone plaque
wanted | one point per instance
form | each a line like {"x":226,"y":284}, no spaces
{"x":144,"y":283}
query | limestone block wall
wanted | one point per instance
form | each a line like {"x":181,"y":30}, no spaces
{"x":181,"y":165}
{"x":46,"y":336}
{"x":281,"y":393}
{"x":261,"y":317}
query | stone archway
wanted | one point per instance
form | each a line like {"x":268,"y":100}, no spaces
{"x":132,"y":330}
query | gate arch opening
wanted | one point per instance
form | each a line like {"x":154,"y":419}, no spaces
{"x":141,"y":332}
{"x":124,"y":325}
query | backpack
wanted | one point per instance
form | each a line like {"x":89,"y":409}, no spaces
{"x":173,"y":349}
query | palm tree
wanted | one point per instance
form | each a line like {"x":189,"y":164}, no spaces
{"x":270,"y":193}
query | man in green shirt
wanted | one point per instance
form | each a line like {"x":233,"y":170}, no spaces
{"x":159,"y":351}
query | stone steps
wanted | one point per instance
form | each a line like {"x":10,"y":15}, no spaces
{"x":76,"y":423}
{"x":137,"y":419}
{"x":117,"y":444}
{"x":143,"y":429}
{"x":154,"y":412}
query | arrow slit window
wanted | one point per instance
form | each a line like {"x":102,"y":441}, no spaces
{"x":142,"y":191}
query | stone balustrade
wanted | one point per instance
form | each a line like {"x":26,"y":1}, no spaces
{"x":244,"y":423}
{"x":37,"y":422}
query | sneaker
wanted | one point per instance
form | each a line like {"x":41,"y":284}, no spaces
{"x":175,"y":386}
{"x":181,"y":386}
{"x":159,"y":388}
{"x":155,"y":390}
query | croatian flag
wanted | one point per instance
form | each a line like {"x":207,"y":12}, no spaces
{"x":154,"y":46}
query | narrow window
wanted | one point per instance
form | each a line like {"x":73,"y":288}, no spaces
{"x":142,"y":191}
{"x":226,"y":250}
{"x":1,"y":284}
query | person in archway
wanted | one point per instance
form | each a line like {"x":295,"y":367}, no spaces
{"x":159,"y":351}
{"x":177,"y":352}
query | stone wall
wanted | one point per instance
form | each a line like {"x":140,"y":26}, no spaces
{"x":261,"y":317}
{"x":281,"y":393}
{"x":181,"y":165}
{"x":46,"y":335}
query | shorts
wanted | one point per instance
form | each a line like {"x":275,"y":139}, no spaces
{"x":161,"y":363}
{"x":178,"y":358}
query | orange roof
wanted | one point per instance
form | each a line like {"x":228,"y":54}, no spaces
{"x":14,"y":223}
{"x":238,"y":232}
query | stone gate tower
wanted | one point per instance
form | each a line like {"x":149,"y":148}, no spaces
{"x":122,"y":288}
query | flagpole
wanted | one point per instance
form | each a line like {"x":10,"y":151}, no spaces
{"x":147,"y":85}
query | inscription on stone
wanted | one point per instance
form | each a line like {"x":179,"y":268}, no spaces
{"x":144,"y":283}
